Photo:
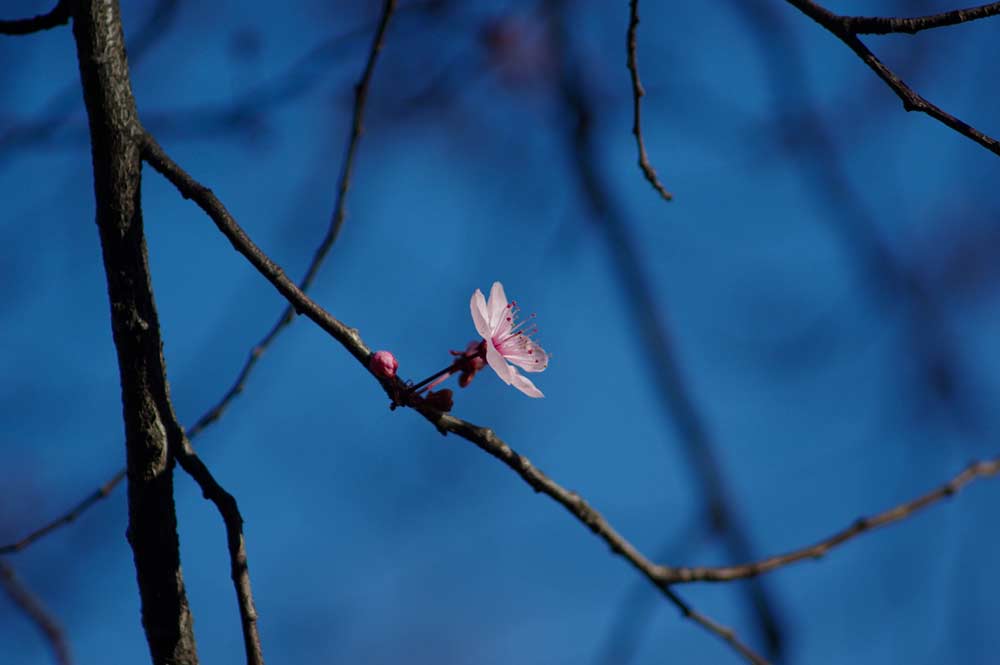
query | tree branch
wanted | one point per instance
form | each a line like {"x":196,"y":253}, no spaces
{"x":239,"y":569}
{"x":484,"y":438}
{"x":33,"y":608}
{"x":100,"y":493}
{"x":884,"y":25}
{"x":843,"y":28}
{"x":638,"y":92}
{"x":152,"y":432}
{"x":59,"y":15}
{"x":860,"y":526}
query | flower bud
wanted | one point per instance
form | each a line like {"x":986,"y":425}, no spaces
{"x":383,"y":364}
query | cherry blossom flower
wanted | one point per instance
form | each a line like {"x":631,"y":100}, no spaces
{"x":507,"y":341}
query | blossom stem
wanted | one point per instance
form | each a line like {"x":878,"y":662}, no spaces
{"x":450,"y":369}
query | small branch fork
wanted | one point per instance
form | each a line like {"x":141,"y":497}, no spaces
{"x":847,"y":29}
{"x":33,"y":608}
{"x":632,"y":62}
{"x":59,"y":15}
{"x":230,"y":512}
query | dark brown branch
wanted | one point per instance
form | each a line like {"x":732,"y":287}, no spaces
{"x":481,"y":437}
{"x":33,"y":608}
{"x":637,"y":93}
{"x":287,"y":315}
{"x":152,"y":432}
{"x":860,"y":526}
{"x":239,"y":570}
{"x":884,"y":25}
{"x":59,"y":15}
{"x":841,"y":27}
{"x":100,"y":493}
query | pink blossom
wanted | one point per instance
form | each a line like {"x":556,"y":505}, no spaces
{"x":384,"y":364}
{"x":507,"y":341}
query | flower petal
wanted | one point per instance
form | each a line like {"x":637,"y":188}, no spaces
{"x":525,"y":385}
{"x":480,"y":317}
{"x":528,"y":356}
{"x":497,"y":306}
{"x":499,"y":365}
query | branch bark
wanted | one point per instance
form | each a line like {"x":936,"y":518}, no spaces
{"x":152,"y":432}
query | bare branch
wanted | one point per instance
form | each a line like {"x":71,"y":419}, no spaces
{"x":239,"y":570}
{"x":884,"y":25}
{"x":863,"y":525}
{"x":287,"y":316}
{"x":100,"y":493}
{"x":34,"y":609}
{"x":336,"y":222}
{"x":59,"y":15}
{"x":484,"y":438}
{"x":637,"y":93}
{"x":841,"y":27}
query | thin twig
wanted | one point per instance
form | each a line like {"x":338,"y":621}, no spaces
{"x":333,"y":230}
{"x":843,"y":27}
{"x":484,"y":438}
{"x":322,"y":250}
{"x":34,"y":609}
{"x":59,"y":15}
{"x":637,"y":93}
{"x":863,"y":525}
{"x":68,"y":517}
{"x":239,"y":569}
{"x":678,"y":401}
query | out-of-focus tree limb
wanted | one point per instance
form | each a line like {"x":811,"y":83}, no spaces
{"x":845,"y":29}
{"x":32,"y":607}
{"x":152,"y":432}
{"x":59,"y":15}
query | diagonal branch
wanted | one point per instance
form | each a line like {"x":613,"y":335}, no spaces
{"x":34,"y":609}
{"x":239,"y":569}
{"x":484,"y":438}
{"x":860,"y":526}
{"x":843,"y":27}
{"x":59,"y":15}
{"x":632,"y":62}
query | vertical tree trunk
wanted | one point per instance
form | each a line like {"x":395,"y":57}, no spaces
{"x":151,"y":428}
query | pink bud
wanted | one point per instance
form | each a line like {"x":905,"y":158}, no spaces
{"x":383,"y":364}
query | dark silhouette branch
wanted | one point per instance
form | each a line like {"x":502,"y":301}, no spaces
{"x":34,"y":610}
{"x":860,"y":526}
{"x":843,"y":27}
{"x":59,"y":15}
{"x":484,"y":438}
{"x":637,"y":93}
{"x":152,"y":433}
{"x":216,"y":411}
{"x":239,"y":570}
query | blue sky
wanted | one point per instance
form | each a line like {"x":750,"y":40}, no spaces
{"x":373,"y":539}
